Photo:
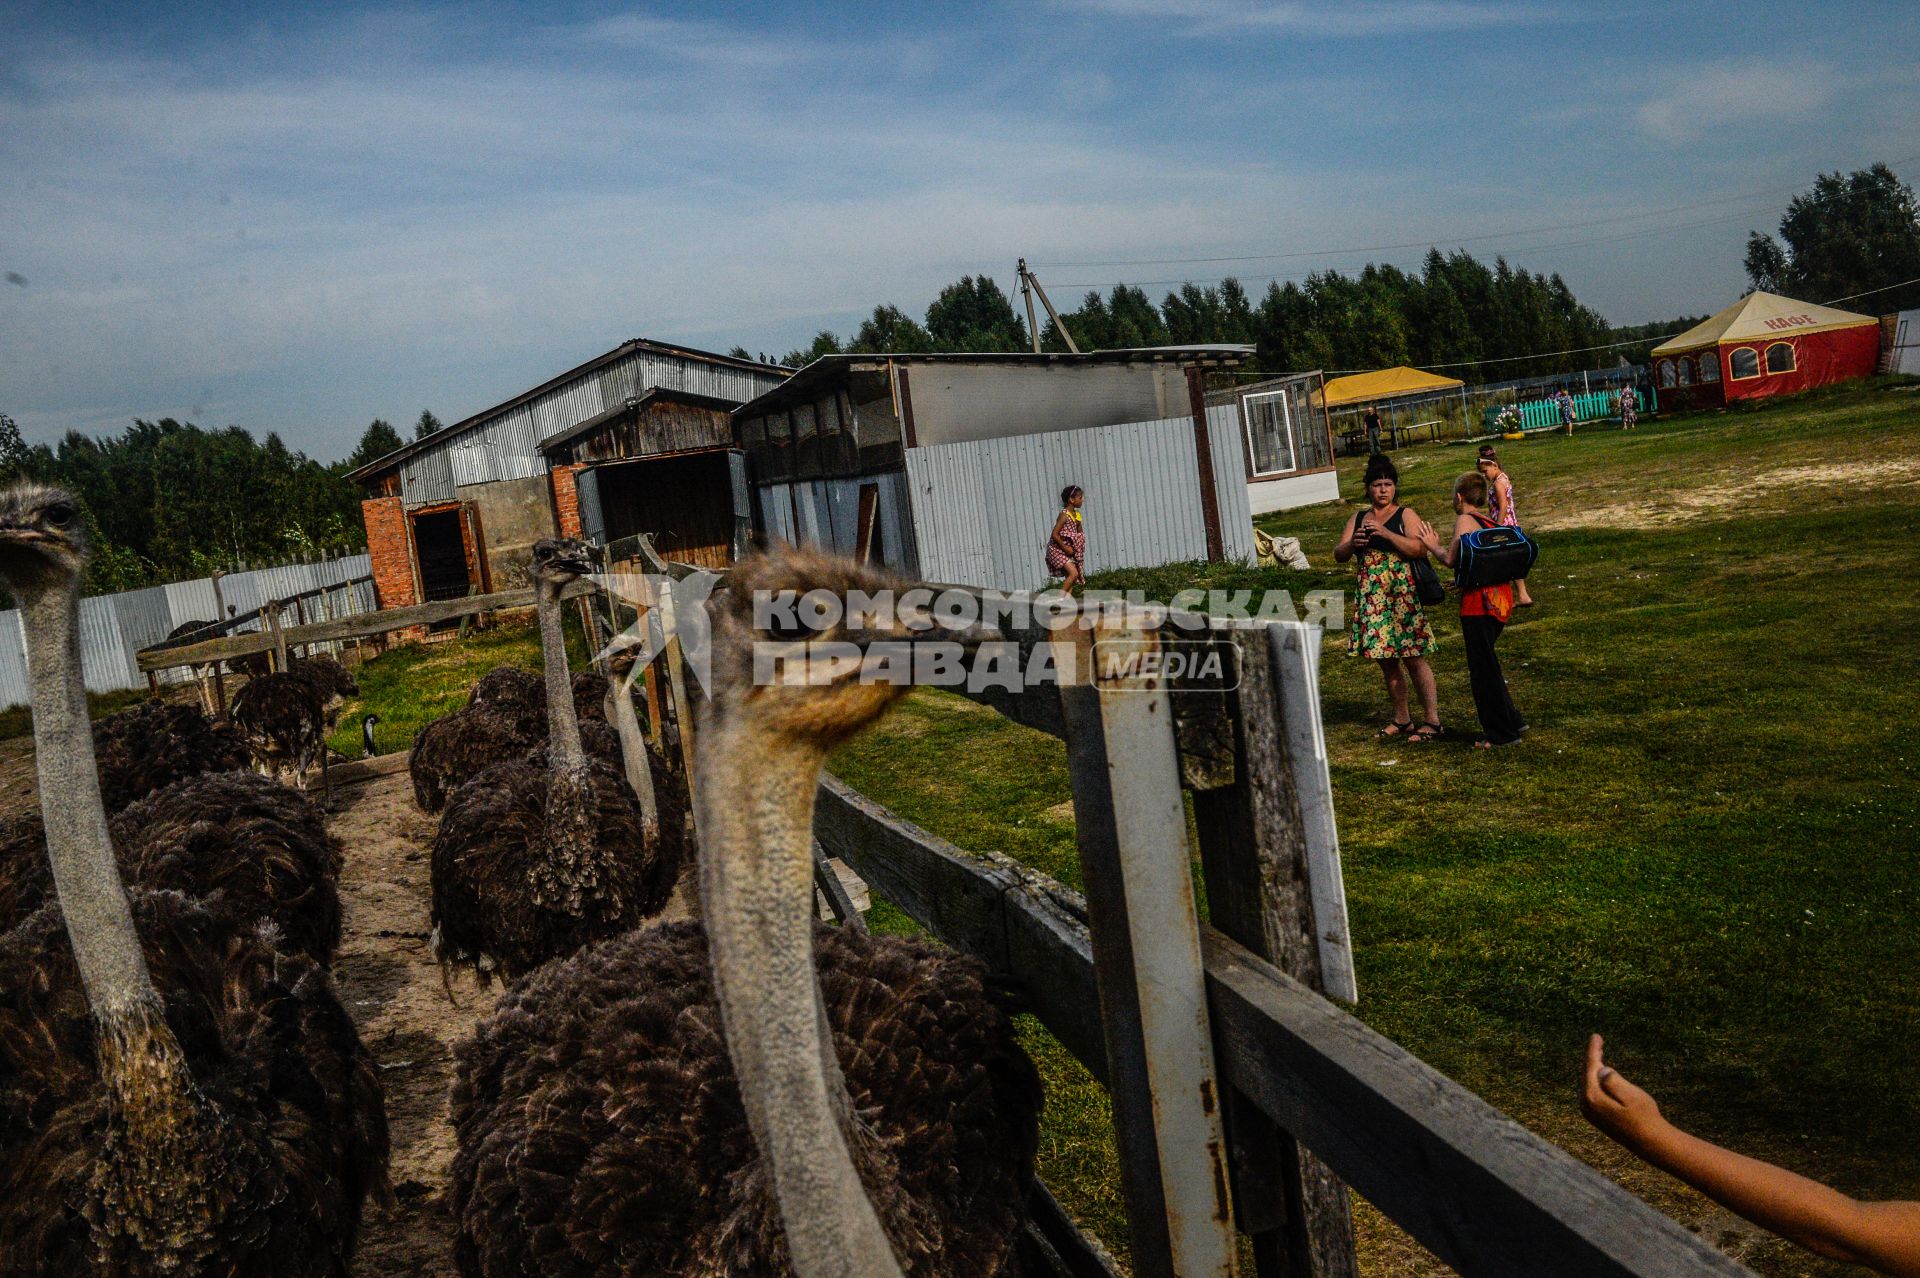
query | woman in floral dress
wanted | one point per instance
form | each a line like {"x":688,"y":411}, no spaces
{"x":1389,"y":626}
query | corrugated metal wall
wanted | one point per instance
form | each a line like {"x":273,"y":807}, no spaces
{"x":113,"y":628}
{"x":826,"y":512}
{"x":508,"y":446}
{"x":981,"y":510}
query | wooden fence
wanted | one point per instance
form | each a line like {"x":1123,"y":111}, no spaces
{"x":1245,"y":1101}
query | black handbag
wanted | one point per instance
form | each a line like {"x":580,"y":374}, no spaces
{"x":1427,"y":586}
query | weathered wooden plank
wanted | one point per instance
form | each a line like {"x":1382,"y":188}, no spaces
{"x":1062,"y":1247}
{"x":1254,"y":851}
{"x":1473,"y":1186}
{"x":364,"y":625}
{"x":839,"y":903}
{"x":1132,"y":834}
{"x":1031,"y":931}
{"x":354,"y":771}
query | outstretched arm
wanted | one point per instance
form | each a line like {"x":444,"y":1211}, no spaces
{"x":1883,"y":1236}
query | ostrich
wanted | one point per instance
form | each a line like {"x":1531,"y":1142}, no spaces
{"x":367,"y":749}
{"x":722,"y":1099}
{"x":153,"y":745}
{"x":285,"y":716}
{"x":244,"y":845}
{"x":535,"y":859}
{"x":177,"y":1096}
{"x":505,"y":719}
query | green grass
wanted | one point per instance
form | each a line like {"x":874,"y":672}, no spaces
{"x":1705,"y":849}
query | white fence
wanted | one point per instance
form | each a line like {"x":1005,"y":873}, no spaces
{"x":114,"y":628}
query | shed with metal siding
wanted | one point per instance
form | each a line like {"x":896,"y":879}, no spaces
{"x":965,"y":456}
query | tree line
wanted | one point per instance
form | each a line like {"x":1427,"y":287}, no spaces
{"x":1478,"y":322}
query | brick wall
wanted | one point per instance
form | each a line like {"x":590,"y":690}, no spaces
{"x":392,"y":558}
{"x":566,"y":499}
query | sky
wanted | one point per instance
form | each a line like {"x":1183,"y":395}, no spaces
{"x":299,"y":217}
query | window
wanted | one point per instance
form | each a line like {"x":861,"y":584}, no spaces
{"x":1780,"y":357}
{"x":1686,"y":371}
{"x":1710,"y":367}
{"x":1666,"y":372}
{"x":1743,"y":363}
{"x":1269,"y":433}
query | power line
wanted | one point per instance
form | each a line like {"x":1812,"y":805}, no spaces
{"x":1457,"y":239}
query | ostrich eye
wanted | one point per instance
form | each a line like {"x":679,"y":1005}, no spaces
{"x":60,"y":516}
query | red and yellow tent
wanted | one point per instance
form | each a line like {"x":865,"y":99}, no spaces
{"x":1765,"y":344}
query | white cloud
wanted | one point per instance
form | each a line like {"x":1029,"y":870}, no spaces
{"x":1365,"y":18}
{"x":1690,"y":102}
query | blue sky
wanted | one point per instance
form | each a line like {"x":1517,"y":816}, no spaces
{"x":297,"y":218}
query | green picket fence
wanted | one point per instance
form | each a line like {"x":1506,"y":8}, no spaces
{"x":1544,"y":414}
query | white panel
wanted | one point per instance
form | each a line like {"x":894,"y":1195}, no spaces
{"x":14,"y":688}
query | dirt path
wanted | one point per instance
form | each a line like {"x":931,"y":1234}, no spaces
{"x":392,"y":987}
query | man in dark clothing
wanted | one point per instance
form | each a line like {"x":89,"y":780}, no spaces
{"x":1372,"y":420}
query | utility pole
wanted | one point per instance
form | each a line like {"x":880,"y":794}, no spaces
{"x":1029,"y":285}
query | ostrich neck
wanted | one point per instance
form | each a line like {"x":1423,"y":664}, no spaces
{"x":755,"y":814}
{"x":92,"y":897}
{"x":563,"y":725}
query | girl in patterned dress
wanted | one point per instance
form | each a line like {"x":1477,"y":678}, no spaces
{"x":1389,"y":626}
{"x":1067,"y":544}
{"x":1500,"y":506}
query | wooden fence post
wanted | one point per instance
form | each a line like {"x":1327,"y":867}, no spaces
{"x":270,"y":613}
{"x":1253,"y":848}
{"x":1144,"y":923}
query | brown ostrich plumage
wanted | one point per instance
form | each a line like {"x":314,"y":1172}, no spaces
{"x":145,"y":749}
{"x":504,"y":720}
{"x":245,"y":846}
{"x":285,"y":716}
{"x":510,"y":891}
{"x":601,"y":1129}
{"x":280,"y":1131}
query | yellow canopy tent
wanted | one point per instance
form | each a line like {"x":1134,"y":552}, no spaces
{"x":1387,"y":383}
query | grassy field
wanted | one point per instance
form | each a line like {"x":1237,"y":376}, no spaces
{"x":1704,"y":850}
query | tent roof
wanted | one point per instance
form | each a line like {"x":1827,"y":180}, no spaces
{"x":1761,"y":315}
{"x":1387,"y":383}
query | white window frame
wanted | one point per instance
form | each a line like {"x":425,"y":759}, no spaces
{"x":1793,"y":359}
{"x":1759,"y":364}
{"x":1286,"y":421}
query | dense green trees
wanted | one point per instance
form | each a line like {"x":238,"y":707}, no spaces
{"x":169,"y":500}
{"x":1455,"y":311}
{"x":427,"y":424}
{"x":1845,"y":236}
{"x":379,"y":439}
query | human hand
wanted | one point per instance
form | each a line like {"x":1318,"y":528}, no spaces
{"x":1617,"y":1107}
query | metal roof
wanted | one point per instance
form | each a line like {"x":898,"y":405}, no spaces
{"x":628,"y":347}
{"x":692,"y":399}
{"x":803,"y":384}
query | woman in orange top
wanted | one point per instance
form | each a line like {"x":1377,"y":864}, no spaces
{"x":1483,"y":615}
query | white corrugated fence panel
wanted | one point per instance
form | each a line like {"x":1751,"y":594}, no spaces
{"x":15,"y":690}
{"x":1230,"y":480}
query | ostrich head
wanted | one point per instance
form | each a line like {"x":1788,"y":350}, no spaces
{"x":827,"y":704}
{"x":560,"y":560}
{"x":758,"y":756}
{"x":43,"y":539}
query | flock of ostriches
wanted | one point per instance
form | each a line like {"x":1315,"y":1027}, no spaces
{"x":182,"y":1091}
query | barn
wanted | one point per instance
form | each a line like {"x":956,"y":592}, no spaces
{"x":1764,"y":345}
{"x":949,"y":466}
{"x":457,"y":512}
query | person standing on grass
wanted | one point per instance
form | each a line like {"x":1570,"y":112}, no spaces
{"x":1372,"y":419}
{"x":1882,"y":1236}
{"x":1629,"y":407}
{"x":1483,"y":615}
{"x":1500,"y":506}
{"x":1389,"y":626}
{"x":1565,"y":400}
{"x":1067,"y":544}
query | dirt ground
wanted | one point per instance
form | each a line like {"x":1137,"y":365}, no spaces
{"x":391,"y":984}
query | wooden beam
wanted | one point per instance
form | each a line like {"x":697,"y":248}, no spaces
{"x":364,"y":625}
{"x":1203,"y":456}
{"x":1132,"y":834}
{"x":1253,"y":849}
